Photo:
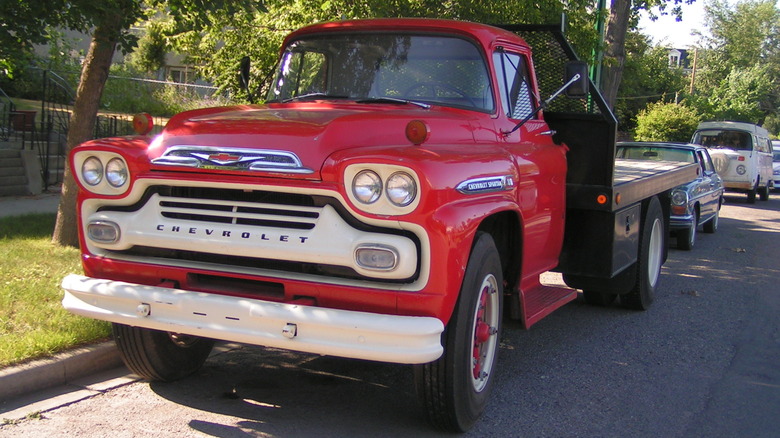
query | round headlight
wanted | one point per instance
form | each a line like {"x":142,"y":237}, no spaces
{"x":116,"y":172}
{"x":401,"y":189}
{"x":367,"y":186}
{"x":741,"y":169}
{"x":679,"y":197}
{"x":92,"y":171}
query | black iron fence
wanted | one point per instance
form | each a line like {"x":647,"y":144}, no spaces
{"x":45,"y":129}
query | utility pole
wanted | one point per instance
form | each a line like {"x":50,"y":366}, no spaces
{"x":693,"y":70}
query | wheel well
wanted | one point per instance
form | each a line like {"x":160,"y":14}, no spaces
{"x":505,"y":229}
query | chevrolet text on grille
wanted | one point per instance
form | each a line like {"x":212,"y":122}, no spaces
{"x":231,"y":234}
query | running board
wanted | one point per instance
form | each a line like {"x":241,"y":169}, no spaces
{"x":538,"y":301}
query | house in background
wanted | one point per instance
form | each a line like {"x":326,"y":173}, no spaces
{"x":679,"y":58}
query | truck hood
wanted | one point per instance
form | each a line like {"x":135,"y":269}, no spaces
{"x":294,"y":140}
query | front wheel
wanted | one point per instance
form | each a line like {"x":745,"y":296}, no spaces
{"x":156,"y":355}
{"x":454,"y":389}
{"x":711,"y":225}
{"x":650,"y":259}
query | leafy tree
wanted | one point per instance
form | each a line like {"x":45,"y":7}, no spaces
{"x":647,"y":79}
{"x":623,"y":15}
{"x":739,"y":74}
{"x":109,"y":21}
{"x":666,"y":122}
{"x":218,"y":50}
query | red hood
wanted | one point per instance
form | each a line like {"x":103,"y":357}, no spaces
{"x":312,"y":131}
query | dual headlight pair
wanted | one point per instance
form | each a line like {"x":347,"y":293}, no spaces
{"x":102,"y":172}
{"x":115,"y":172}
{"x":383,"y":189}
{"x":400,"y":188}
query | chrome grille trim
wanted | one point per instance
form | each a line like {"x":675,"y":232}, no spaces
{"x":253,"y":160}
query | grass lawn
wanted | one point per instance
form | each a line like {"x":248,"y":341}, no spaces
{"x":33,"y":323}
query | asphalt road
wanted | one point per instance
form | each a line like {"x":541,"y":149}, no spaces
{"x":704,"y":361}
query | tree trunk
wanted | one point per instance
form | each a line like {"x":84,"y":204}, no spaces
{"x":615,"y":50}
{"x":82,"y":123}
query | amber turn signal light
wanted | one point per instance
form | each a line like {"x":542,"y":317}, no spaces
{"x":417,"y":132}
{"x":143,"y":123}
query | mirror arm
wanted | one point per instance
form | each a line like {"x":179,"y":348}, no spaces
{"x":544,"y":104}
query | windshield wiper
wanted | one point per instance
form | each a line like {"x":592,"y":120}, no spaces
{"x":314,"y":96}
{"x":392,"y":100}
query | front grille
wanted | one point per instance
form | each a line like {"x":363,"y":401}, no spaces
{"x":230,"y":212}
{"x":205,"y":209}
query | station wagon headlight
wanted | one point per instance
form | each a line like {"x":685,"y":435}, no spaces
{"x":680,"y":197}
{"x":92,"y":171}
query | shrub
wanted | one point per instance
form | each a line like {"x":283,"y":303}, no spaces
{"x":666,"y":122}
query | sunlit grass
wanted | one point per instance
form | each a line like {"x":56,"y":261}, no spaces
{"x":33,"y":323}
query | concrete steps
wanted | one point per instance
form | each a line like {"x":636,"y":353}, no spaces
{"x":13,"y":178}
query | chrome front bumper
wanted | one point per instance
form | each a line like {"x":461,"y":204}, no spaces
{"x":359,"y":335}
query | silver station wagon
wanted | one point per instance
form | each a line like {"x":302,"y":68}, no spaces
{"x":695,"y":203}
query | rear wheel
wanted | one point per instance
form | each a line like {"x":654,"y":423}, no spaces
{"x":156,"y":355}
{"x":763,"y":193}
{"x":751,"y":195}
{"x":650,"y":259}
{"x":454,"y":389}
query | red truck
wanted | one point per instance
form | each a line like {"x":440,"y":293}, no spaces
{"x":402,"y":188}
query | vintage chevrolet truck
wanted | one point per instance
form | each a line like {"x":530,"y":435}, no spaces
{"x":400,"y":191}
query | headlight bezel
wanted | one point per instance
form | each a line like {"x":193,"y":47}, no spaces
{"x":104,"y":185}
{"x":386,"y":203}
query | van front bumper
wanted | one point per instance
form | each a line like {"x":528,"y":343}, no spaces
{"x":343,"y":333}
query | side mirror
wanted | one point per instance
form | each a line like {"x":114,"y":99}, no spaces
{"x":244,"y":76}
{"x":578,"y":89}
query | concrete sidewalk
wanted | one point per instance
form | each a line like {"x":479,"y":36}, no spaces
{"x":15,"y":205}
{"x":16,"y":382}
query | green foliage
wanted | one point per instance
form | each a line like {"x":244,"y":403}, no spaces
{"x":647,"y":78}
{"x":666,"y":122}
{"x":149,"y":56}
{"x":32,"y":320}
{"x":126,"y":93}
{"x":218,"y":49}
{"x":739,"y":73}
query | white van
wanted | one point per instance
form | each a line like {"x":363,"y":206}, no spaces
{"x":747,"y":151}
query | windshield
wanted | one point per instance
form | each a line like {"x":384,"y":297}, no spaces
{"x":725,"y":138}
{"x":437,"y":69}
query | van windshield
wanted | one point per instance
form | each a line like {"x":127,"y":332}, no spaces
{"x":725,"y":138}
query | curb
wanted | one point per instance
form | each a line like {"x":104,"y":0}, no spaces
{"x":58,"y":369}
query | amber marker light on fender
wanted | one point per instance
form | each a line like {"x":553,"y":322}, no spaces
{"x":417,"y":132}
{"x":143,"y":123}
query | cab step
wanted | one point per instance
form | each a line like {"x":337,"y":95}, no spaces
{"x":538,"y":300}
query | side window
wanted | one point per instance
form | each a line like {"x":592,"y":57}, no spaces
{"x":514,"y":84}
{"x":705,"y":161}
